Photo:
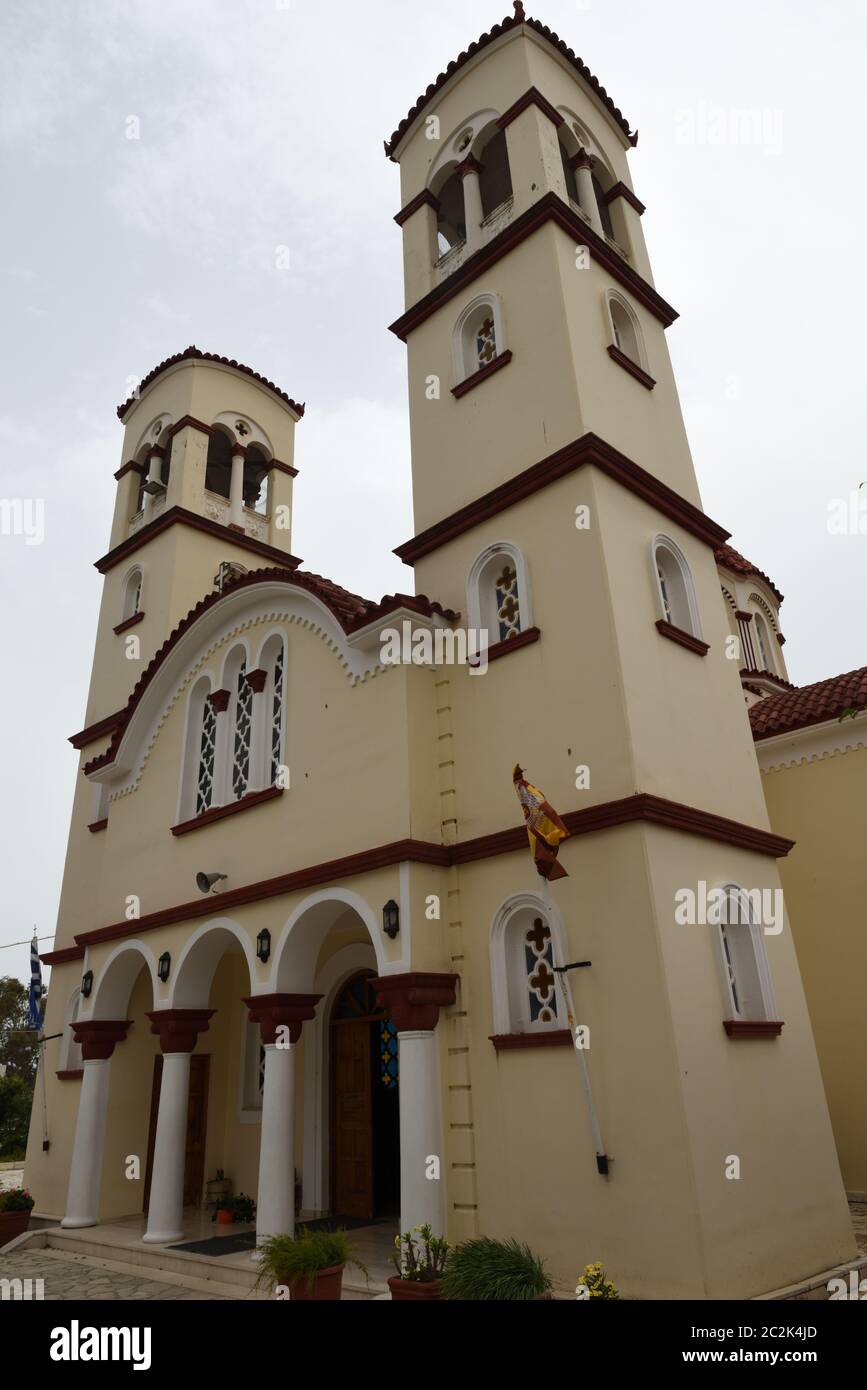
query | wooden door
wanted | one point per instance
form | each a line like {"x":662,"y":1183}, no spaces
{"x":352,"y":1119}
{"x":197,"y":1129}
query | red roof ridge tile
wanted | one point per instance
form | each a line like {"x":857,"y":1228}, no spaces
{"x":732,"y":559}
{"x":510,"y":22}
{"x":194,"y":354}
{"x":809,"y":704}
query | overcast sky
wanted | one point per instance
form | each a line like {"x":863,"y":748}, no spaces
{"x":260,"y":125}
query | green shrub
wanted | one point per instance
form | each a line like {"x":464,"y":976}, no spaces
{"x":16,"y":1199}
{"x":420,"y":1256}
{"x":494,"y":1270}
{"x":287,"y":1258}
{"x":597,"y":1286}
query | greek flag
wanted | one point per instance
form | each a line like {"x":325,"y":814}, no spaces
{"x":34,"y":1011}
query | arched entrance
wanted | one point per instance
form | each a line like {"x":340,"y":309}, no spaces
{"x":365,"y":1115}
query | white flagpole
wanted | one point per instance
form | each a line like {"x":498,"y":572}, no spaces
{"x":562,"y":976}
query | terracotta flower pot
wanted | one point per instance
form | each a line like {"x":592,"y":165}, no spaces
{"x":327,"y":1284}
{"x":225,"y":1217}
{"x":414,"y":1290}
{"x":12,"y":1224}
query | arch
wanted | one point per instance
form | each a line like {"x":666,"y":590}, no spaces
{"x":70,"y":1050}
{"x":764,"y":646}
{"x":478,"y":336}
{"x":235,"y":731}
{"x":114,"y":985}
{"x":297,"y":951}
{"x":625,"y":329}
{"x":198,"y":767}
{"x":741,"y":954}
{"x":486,"y":598}
{"x":240,"y":428}
{"x":131,"y":591}
{"x":199,"y":958}
{"x":508,"y":976}
{"x":674,"y":586}
{"x":495,"y":180}
{"x":270,"y":707}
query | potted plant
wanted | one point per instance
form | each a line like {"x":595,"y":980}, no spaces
{"x":593,"y":1284}
{"x":419,"y":1259}
{"x":15,"y":1208}
{"x":308,"y":1266}
{"x":244,"y":1208}
{"x":484,"y":1269}
{"x":217,"y":1187}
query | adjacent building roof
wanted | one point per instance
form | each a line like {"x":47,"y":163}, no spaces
{"x":809,"y":704}
{"x":193,"y":354}
{"x":350,"y":610}
{"x":731,"y":559}
{"x":510,"y":22}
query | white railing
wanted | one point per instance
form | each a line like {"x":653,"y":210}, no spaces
{"x":138,"y":521}
{"x":490,"y":227}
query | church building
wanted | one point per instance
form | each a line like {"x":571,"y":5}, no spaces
{"x":301,"y":936}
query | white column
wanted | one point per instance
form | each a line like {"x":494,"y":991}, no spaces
{"x":166,"y":1210}
{"x":587,"y":195}
{"x":155,"y":475}
{"x":260,"y":734}
{"x":422,"y":1199}
{"x":275,"y":1207}
{"x":236,"y":489}
{"x":82,"y":1200}
{"x":473,"y":211}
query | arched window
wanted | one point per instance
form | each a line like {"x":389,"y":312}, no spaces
{"x":604,"y":209}
{"x":498,"y":594}
{"x":218,"y":469}
{"x":495,"y":180}
{"x":451,"y":220}
{"x":207,"y":751}
{"x":674,"y":587}
{"x":270,"y":708}
{"x":478,"y":337}
{"x":256,"y":480}
{"x":243,"y":723}
{"x":625,"y":330}
{"x":70,"y":1050}
{"x":276,"y":713}
{"x":763,"y":644}
{"x":132,"y":592}
{"x":198,"y":789}
{"x":525,"y":937}
{"x":742,"y":955}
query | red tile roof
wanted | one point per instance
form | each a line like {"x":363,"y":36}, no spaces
{"x":350,"y":610}
{"x":809,"y":704}
{"x":510,"y":22}
{"x":732,"y":559}
{"x":193,"y":354}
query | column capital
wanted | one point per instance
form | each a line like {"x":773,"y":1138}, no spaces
{"x":156,"y":451}
{"x":582,"y":160}
{"x":220,"y":700}
{"x":178,"y":1029}
{"x":415,"y":999}
{"x":273,"y":1011}
{"x":470,"y":165}
{"x":99,"y":1036}
{"x":256,"y":681}
{"x":237,"y":449}
{"x":743,"y":617}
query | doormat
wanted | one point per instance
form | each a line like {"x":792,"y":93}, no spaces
{"x":245,"y":1241}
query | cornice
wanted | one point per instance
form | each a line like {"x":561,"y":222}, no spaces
{"x":811,"y":744}
{"x":179,"y":516}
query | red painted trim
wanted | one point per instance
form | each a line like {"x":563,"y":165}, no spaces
{"x":686,"y":639}
{"x":512,"y":644}
{"x":193,"y":423}
{"x":236,"y":529}
{"x":781,"y":639}
{"x":98,"y":1037}
{"x":245,"y":803}
{"x":179,"y":516}
{"x":273,"y":1011}
{"x":156,"y":451}
{"x":582,"y":160}
{"x":631,"y":367}
{"x":752,"y":1028}
{"x":220,"y":700}
{"x":512,"y":1042}
{"x":470,"y":165}
{"x":588,"y":449}
{"x":655,"y":810}
{"x":93,"y":732}
{"x":743,"y":617}
{"x":256,"y":680}
{"x":131,"y":467}
{"x":63,"y":956}
{"x":74,"y":1075}
{"x":423,"y":199}
{"x":532,"y":97}
{"x":130,"y":622}
{"x":415,"y":998}
{"x":178,"y":1029}
{"x":481,"y":375}
{"x":97,"y":825}
{"x":549,"y":208}
{"x":192,"y":354}
{"x":278,"y":467}
{"x":621,"y":191}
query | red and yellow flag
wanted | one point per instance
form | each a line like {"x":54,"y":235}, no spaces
{"x":545,"y":829}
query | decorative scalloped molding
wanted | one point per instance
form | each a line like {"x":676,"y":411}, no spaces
{"x":812,"y":744}
{"x":132,"y":782}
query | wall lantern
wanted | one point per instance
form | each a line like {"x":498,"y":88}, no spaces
{"x":263,"y":945}
{"x":164,"y":965}
{"x":391,"y":919}
{"x":86,"y":984}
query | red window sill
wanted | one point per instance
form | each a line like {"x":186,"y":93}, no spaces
{"x":686,"y":639}
{"x":752,"y":1028}
{"x":220,"y":812}
{"x":98,"y":825}
{"x":511,"y":644}
{"x":631,"y":367}
{"x":554,"y":1037}
{"x":129,"y":622}
{"x":74,"y":1075}
{"x":481,"y":375}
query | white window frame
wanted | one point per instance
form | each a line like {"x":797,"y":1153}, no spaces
{"x":460,"y":361}
{"x":126,"y":588}
{"x":664,"y":542}
{"x":506,"y":1018}
{"x":476,"y":603}
{"x":613,"y":296}
{"x":759,"y":954}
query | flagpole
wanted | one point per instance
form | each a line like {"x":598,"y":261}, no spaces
{"x":562,"y":977}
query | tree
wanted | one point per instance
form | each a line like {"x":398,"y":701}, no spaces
{"x":16,"y":1098}
{"x":18,"y":1054}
